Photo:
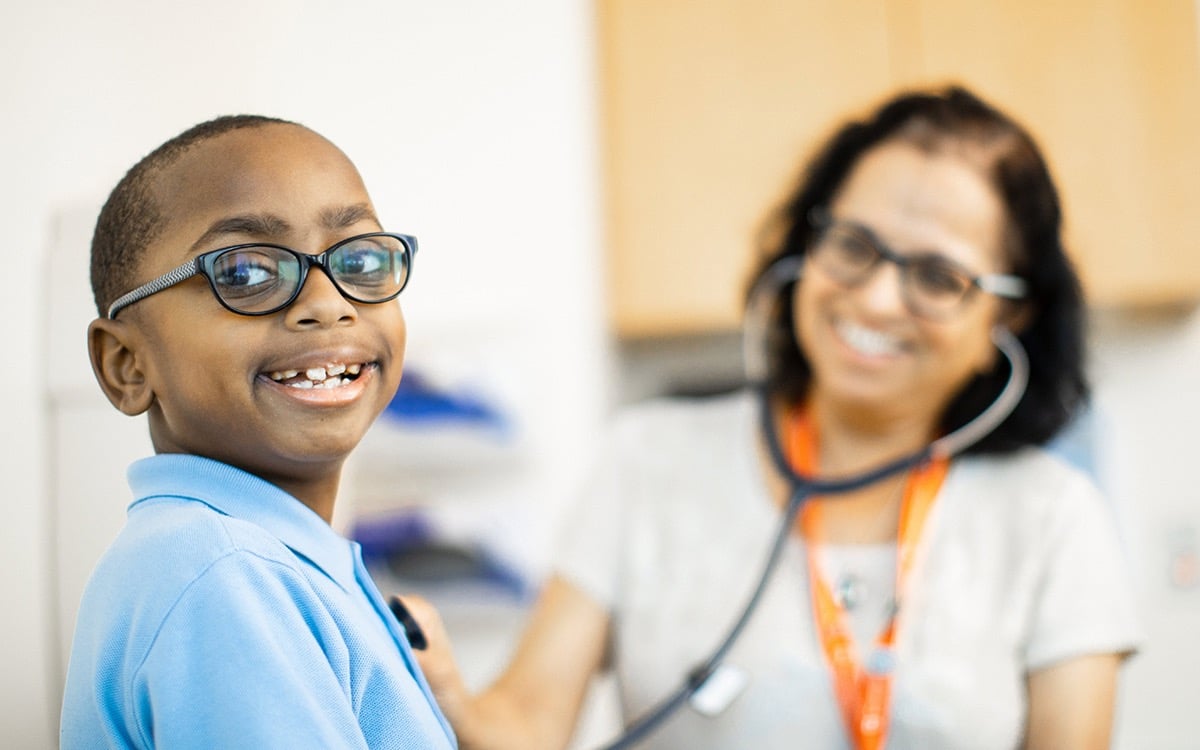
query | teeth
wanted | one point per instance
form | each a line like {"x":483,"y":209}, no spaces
{"x":867,"y":341}
{"x":326,"y":376}
{"x":308,"y":385}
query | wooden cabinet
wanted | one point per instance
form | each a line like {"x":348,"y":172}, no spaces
{"x":711,"y":107}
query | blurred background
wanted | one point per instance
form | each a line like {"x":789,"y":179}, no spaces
{"x":587,"y":179}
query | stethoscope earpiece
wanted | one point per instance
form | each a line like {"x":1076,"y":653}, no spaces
{"x":787,"y":270}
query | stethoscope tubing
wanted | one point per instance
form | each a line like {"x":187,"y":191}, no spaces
{"x":783,"y":272}
{"x":801,"y":489}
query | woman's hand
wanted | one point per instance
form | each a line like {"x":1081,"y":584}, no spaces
{"x":535,"y":703}
{"x":438,"y":663}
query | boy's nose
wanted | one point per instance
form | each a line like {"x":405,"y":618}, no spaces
{"x":320,"y":303}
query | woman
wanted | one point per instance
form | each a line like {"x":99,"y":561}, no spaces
{"x":976,"y":602}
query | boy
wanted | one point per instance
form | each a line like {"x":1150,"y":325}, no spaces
{"x":247,"y":305}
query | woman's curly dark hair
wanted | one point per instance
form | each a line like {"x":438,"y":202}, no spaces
{"x":1054,"y":334}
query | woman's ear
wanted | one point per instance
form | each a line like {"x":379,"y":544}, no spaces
{"x":113,"y":349}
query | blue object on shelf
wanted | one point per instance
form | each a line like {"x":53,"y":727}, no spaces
{"x":380,"y":536}
{"x":417,"y":401}
{"x":408,"y":546}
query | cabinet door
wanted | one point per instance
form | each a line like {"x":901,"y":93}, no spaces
{"x":708,"y":106}
{"x":711,"y":106}
{"x":1111,"y":89}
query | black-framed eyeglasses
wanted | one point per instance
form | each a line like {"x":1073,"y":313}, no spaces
{"x":260,"y":278}
{"x":932,"y":286}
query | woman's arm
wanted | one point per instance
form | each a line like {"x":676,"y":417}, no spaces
{"x":535,"y":703}
{"x":1071,"y":704}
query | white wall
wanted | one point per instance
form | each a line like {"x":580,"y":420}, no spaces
{"x":1146,"y":368}
{"x":472,"y":123}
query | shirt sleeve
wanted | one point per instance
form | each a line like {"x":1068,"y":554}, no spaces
{"x":241,"y":661}
{"x":1085,"y":603}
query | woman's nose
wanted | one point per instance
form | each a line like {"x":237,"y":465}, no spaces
{"x":882,"y":290}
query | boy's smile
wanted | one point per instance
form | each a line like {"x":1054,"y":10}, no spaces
{"x":287,"y":395}
{"x":321,"y":377}
{"x":342,"y":378}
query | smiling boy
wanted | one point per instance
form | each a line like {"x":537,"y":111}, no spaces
{"x":247,"y":300}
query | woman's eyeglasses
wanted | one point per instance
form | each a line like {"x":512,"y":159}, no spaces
{"x":262,"y":278}
{"x":931,"y":285}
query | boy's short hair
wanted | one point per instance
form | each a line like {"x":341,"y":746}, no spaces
{"x":131,"y":217}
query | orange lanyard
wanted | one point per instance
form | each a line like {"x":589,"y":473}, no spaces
{"x":863,"y":692}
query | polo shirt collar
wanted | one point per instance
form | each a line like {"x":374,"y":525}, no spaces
{"x":244,"y":496}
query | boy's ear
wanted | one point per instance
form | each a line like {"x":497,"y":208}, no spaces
{"x":116,"y":364}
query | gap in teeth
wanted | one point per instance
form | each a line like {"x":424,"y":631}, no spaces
{"x":316,"y":375}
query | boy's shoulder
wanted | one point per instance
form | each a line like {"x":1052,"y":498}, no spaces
{"x":167,"y":545}
{"x":189,"y":513}
{"x":208,"y":550}
{"x":187,"y":536}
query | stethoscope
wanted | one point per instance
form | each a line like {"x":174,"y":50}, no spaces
{"x":708,"y":675}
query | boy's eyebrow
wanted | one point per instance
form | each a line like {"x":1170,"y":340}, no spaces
{"x":257,"y":225}
{"x":270,"y":225}
{"x":344,"y":216}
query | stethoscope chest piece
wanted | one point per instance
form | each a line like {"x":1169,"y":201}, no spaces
{"x":721,"y":688}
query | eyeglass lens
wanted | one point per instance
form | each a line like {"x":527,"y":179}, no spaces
{"x":260,"y":278}
{"x":931,"y":286}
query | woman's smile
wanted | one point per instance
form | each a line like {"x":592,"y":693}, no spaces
{"x":865,"y":345}
{"x":866,"y":341}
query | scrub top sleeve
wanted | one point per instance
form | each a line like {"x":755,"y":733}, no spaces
{"x":241,"y":661}
{"x":1085,"y":604}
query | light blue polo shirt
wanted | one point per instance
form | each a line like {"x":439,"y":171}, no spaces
{"x":227,"y":614}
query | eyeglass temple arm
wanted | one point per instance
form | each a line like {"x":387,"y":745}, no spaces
{"x":168,"y":279}
{"x":1003,"y":285}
